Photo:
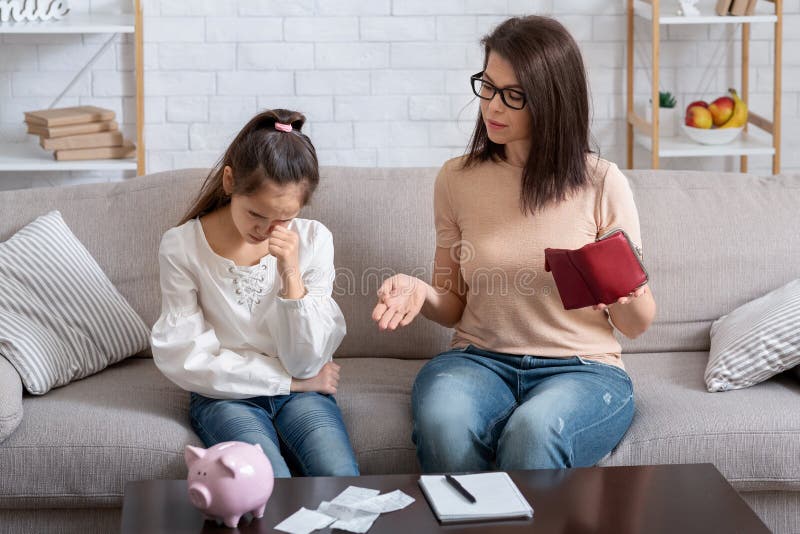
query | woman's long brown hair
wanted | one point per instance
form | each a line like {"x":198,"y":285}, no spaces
{"x":549,"y":67}
{"x":259,"y":153}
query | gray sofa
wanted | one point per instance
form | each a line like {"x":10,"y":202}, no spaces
{"x":711,"y":243}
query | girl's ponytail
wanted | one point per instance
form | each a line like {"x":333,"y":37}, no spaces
{"x":261,"y":151}
{"x":267,"y":119}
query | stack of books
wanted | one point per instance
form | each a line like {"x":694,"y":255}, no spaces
{"x":79,"y":133}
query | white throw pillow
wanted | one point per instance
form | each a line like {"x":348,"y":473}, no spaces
{"x":756,"y":340}
{"x":61,"y":318}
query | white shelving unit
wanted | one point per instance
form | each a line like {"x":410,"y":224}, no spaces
{"x":646,"y":133}
{"x":29,"y":156}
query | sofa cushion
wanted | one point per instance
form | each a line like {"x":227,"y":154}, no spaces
{"x":65,"y":451}
{"x":10,"y":399}
{"x":709,"y":247}
{"x":677,"y":420}
{"x":752,"y":435}
{"x":61,"y":319}
{"x":388,"y":229}
{"x":375,"y":398}
{"x":756,"y":340}
{"x":78,"y":445}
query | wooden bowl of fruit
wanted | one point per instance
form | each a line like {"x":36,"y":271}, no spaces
{"x":717,"y":123}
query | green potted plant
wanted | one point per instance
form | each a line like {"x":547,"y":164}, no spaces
{"x":668,"y":119}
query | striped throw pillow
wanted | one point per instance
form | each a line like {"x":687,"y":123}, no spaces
{"x":755,"y":341}
{"x":61,"y":318}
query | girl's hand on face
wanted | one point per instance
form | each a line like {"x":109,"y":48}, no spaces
{"x":623,"y":300}
{"x":326,"y":381}
{"x":284,"y":245}
{"x":400,"y":299}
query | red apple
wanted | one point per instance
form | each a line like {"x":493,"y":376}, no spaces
{"x":721,"y":110}
{"x":699,"y":117}
{"x":701,"y":103}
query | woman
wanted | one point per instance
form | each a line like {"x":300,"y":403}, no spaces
{"x":526,"y":384}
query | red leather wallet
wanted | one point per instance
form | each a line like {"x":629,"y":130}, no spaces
{"x":600,"y":272}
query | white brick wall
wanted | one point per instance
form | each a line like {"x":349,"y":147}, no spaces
{"x":382,"y":82}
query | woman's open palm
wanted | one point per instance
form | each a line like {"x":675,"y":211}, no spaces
{"x":400,"y":299}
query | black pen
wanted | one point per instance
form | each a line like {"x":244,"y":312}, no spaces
{"x":461,"y":489}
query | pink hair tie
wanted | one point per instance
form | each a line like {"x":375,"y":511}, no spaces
{"x":283,"y":127}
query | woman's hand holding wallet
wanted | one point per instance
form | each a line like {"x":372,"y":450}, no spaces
{"x":605,"y":272}
{"x":624,"y":300}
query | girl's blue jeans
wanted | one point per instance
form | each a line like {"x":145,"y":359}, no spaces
{"x":476,"y":410}
{"x":303,"y":431}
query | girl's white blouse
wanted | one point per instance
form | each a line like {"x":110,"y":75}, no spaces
{"x":225,"y":332}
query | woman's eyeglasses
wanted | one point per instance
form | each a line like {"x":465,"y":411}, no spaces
{"x":486,"y":90}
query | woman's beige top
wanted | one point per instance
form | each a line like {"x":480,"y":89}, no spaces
{"x":512,"y":303}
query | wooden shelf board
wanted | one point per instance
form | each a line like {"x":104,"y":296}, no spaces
{"x":74,"y":23}
{"x":680,"y":146}
{"x":707,"y":15}
{"x":31,"y":157}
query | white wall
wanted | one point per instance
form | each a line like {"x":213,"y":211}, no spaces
{"x":383,"y":82}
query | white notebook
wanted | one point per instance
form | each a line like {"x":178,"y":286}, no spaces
{"x":496,"y":497}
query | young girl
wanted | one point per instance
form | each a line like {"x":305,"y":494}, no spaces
{"x":526,"y":384}
{"x":248,"y":324}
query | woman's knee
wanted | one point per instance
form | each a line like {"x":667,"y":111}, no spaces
{"x":458,"y":400}
{"x":592,"y":443}
{"x":452,"y":435}
{"x":442,"y":408}
{"x":545,"y":439}
{"x":535,"y":427}
{"x":452,"y":421}
{"x":447,"y":379}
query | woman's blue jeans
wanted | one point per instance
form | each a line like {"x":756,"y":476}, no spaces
{"x":306,"y":427}
{"x":476,"y":410}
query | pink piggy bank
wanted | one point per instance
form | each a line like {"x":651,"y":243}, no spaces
{"x":228,"y":480}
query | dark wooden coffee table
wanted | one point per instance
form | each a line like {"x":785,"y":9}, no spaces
{"x":644,"y":499}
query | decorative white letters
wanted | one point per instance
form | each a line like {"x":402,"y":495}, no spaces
{"x":32,"y":10}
